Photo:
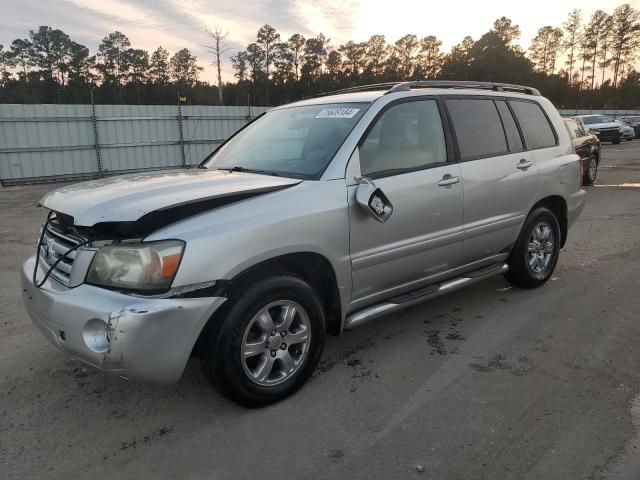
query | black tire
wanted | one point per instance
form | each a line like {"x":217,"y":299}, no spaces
{"x":616,"y":141}
{"x":629,"y":139}
{"x":221,"y":345}
{"x":589,"y":174}
{"x":520,"y":272}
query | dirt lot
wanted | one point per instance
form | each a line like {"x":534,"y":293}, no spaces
{"x":489,"y":382}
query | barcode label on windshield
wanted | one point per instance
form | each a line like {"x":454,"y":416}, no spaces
{"x":337,"y":113}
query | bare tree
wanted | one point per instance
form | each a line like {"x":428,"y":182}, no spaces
{"x":218,"y":49}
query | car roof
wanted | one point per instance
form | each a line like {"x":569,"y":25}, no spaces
{"x":370,"y":96}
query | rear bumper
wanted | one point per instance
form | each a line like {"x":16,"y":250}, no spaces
{"x":140,"y":339}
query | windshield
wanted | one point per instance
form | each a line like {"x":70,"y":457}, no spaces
{"x":595,"y":119}
{"x":294,"y":142}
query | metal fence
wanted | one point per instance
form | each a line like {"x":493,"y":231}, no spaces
{"x":570,"y":112}
{"x":41,"y":143}
{"x":56,"y":142}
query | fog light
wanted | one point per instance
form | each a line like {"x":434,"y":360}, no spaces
{"x":95,"y":335}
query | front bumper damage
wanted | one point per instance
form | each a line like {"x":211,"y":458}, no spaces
{"x":146,"y":339}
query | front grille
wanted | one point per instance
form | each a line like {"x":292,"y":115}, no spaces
{"x":55,"y":243}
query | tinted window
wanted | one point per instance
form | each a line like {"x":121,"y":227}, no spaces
{"x":574,"y":128}
{"x":478,"y":127}
{"x":534,"y":124}
{"x":407,"y":136}
{"x":510,"y":128}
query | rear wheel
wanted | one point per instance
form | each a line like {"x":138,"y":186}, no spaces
{"x":535,"y":254}
{"x":591,"y":171}
{"x":265,"y":342}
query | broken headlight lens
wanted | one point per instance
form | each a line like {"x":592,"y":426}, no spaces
{"x":137,"y":266}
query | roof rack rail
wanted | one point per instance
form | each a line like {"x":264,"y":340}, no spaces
{"x":363,"y":88}
{"x":496,"y":87}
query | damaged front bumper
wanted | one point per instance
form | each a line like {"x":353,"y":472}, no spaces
{"x":137,"y":338}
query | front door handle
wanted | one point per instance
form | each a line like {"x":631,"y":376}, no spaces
{"x":448,"y":180}
{"x":524,"y":164}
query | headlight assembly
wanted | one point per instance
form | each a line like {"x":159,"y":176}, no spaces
{"x":146,"y":266}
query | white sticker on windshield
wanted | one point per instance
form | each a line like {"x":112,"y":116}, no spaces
{"x":337,"y":113}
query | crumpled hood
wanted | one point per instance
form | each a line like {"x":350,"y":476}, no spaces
{"x":132,"y":196}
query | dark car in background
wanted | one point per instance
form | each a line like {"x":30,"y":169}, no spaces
{"x":588,"y":149}
{"x":632,"y":121}
{"x":603,"y":127}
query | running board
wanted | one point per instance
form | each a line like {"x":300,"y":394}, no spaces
{"x":422,"y":295}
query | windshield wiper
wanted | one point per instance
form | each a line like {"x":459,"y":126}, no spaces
{"x":250,"y":170}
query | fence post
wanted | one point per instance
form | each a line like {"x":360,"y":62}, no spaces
{"x":184,"y":158}
{"x":96,"y":135}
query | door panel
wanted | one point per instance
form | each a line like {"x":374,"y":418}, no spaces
{"x":423,"y":237}
{"x":497,"y":196}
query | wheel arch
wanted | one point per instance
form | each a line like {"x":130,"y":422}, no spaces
{"x":558,"y":205}
{"x":312,"y":267}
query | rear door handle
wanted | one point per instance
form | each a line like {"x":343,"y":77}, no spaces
{"x":524,"y":164}
{"x":448,"y":180}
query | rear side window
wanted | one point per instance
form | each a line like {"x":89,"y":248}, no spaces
{"x":534,"y":124}
{"x":574,"y":128}
{"x":510,"y":127}
{"x":478,"y":128}
{"x":408,"y":136}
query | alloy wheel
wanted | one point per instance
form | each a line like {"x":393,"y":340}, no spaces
{"x":276,"y":342}
{"x":541,"y":248}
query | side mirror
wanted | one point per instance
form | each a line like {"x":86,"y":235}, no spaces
{"x":373,"y":201}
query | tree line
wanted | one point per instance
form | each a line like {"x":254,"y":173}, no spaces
{"x":585,"y":62}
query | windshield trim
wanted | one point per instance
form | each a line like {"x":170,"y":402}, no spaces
{"x":315,"y":177}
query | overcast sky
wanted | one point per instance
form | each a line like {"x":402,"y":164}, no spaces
{"x":177,"y":24}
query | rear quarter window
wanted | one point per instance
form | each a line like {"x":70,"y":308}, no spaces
{"x":535,"y":126}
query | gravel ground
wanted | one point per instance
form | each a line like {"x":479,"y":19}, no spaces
{"x":486,"y":383}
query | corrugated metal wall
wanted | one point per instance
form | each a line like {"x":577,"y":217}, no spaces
{"x":53,"y":142}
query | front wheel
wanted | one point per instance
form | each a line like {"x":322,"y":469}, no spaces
{"x":536,"y":252}
{"x":617,"y":141}
{"x":265,"y":342}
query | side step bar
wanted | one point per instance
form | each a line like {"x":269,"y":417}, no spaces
{"x":422,"y":295}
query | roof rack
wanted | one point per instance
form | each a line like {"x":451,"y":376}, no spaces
{"x":496,"y":87}
{"x":393,"y":87}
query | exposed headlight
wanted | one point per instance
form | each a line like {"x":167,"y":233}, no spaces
{"x":147,"y":266}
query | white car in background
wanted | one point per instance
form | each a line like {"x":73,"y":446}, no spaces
{"x":627,"y":131}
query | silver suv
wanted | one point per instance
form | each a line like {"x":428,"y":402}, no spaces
{"x":315,"y":218}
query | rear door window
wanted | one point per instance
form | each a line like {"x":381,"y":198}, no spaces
{"x":535,"y":126}
{"x":477,"y":127}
